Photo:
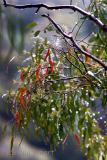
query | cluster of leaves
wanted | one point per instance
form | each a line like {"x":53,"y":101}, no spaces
{"x":56,"y":92}
{"x":98,"y":39}
{"x":54,"y":96}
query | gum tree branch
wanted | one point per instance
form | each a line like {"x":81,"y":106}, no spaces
{"x":75,"y":44}
{"x":72,"y":7}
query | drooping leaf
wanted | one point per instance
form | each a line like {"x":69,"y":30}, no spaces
{"x":77,"y":138}
{"x":87,"y":58}
{"x":17,"y":118}
{"x":51,"y":65}
{"x":31,"y":25}
{"x":47,"y":54}
{"x":22,"y":100}
{"x":12,"y":140}
{"x":37,"y":72}
{"x":22,"y":76}
{"x":4,"y":130}
{"x":36,"y":33}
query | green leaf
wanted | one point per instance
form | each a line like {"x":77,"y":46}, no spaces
{"x":4,"y":130}
{"x":36,"y":33}
{"x":12,"y":140}
{"x":31,"y":25}
{"x":49,"y":28}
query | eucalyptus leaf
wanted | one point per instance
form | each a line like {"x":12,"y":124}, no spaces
{"x":31,"y":25}
{"x":36,"y":33}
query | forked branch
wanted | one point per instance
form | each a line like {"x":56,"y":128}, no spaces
{"x":74,"y":8}
{"x":75,"y":44}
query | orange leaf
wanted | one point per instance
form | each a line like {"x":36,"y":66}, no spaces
{"x":52,"y":65}
{"x":87,"y":58}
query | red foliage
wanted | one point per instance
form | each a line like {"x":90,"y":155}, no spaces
{"x":22,"y":77}
{"x":22,"y":91}
{"x":17,"y":118}
{"x":37,"y":72}
{"x":22,"y":100}
{"x":51,"y":65}
{"x":77,"y":138}
{"x":47,"y":54}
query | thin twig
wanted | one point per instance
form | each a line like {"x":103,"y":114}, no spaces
{"x":73,"y":7}
{"x":75,"y":44}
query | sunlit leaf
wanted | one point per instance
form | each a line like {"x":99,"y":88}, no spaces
{"x":31,"y":25}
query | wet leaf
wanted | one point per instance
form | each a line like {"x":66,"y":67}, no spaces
{"x":36,"y":33}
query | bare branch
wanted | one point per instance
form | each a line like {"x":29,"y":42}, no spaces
{"x":73,"y":7}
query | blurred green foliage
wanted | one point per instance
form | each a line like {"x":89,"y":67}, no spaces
{"x":12,"y":35}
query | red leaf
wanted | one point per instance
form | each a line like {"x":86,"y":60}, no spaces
{"x":47,"y":54}
{"x":22,"y":100}
{"x":22,"y":93}
{"x":52,"y":65}
{"x":37,"y":72}
{"x":77,"y":138}
{"x":17,"y":118}
{"x":22,"y":76}
{"x":22,"y":90}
